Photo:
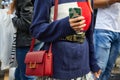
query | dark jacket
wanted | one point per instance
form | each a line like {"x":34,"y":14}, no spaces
{"x":22,"y":21}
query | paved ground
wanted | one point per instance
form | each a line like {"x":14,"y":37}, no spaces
{"x":115,"y":77}
{"x":115,"y":74}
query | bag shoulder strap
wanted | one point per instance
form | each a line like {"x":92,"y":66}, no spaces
{"x":55,"y":9}
{"x":55,"y":17}
{"x":89,"y":3}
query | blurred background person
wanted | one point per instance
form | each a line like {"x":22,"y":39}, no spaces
{"x":5,"y":3}
{"x":107,"y":35}
{"x":22,"y":21}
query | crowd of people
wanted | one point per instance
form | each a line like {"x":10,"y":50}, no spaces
{"x":91,"y":59}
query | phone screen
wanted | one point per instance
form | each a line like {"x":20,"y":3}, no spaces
{"x":74,"y":12}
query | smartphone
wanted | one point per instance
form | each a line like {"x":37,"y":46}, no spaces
{"x":75,"y":12}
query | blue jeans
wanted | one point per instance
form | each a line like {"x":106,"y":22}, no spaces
{"x":20,"y":70}
{"x":107,"y":48}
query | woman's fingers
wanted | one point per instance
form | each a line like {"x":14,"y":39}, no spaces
{"x":79,"y":18}
{"x":79,"y":28}
{"x":77,"y":23}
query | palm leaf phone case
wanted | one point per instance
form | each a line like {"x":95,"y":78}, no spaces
{"x":75,"y":12}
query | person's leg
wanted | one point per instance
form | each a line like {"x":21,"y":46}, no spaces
{"x":102,"y":42}
{"x":17,"y":71}
{"x":11,"y":73}
{"x":20,"y":70}
{"x":114,"y":51}
{"x":6,"y":76}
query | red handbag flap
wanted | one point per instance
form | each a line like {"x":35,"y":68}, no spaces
{"x":35,"y":56}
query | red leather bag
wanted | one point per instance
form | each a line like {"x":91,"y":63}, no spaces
{"x":40,"y":63}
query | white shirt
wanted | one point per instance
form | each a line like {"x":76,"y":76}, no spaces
{"x":109,"y":18}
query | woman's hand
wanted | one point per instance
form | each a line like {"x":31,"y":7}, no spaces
{"x":12,"y":7}
{"x":97,"y":74}
{"x":77,"y":23}
{"x":9,"y":12}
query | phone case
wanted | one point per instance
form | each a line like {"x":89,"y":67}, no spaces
{"x":74,"y":12}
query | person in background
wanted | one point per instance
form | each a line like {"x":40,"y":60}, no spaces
{"x":22,"y":21}
{"x":72,"y":59}
{"x":107,"y":35}
{"x":6,"y":3}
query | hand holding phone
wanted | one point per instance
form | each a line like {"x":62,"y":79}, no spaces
{"x":77,"y":22}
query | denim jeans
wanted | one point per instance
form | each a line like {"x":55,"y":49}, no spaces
{"x":107,"y":48}
{"x":20,"y":57}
